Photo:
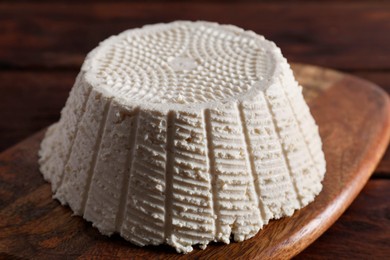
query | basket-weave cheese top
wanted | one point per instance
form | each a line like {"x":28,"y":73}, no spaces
{"x":182,"y":63}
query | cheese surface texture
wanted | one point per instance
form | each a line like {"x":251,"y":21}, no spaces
{"x":183,"y":134}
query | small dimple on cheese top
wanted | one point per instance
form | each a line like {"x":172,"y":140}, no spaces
{"x":181,"y":63}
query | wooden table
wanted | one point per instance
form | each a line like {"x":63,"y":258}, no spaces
{"x":42,"y":45}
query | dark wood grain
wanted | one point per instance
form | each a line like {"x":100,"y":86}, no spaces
{"x":34,"y":225}
{"x":30,"y":101}
{"x":58,"y":35}
{"x":383,"y":169}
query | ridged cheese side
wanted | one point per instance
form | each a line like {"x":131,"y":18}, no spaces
{"x":236,"y":200}
{"x":59,"y":140}
{"x":144,"y":216}
{"x":74,"y":187}
{"x":276,"y":188}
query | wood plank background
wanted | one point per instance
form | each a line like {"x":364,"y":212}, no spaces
{"x":43,"y":44}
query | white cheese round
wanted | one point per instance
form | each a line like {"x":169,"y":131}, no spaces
{"x":184,"y":133}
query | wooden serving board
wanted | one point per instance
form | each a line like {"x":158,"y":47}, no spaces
{"x":354,"y":120}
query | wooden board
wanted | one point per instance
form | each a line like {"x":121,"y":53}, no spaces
{"x":354,"y":121}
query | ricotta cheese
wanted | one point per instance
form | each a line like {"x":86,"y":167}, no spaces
{"x":184,"y":133}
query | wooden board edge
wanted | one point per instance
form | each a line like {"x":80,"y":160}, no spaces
{"x":364,"y":170}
